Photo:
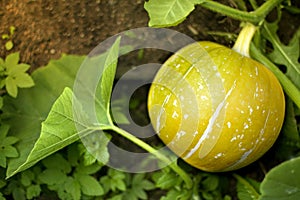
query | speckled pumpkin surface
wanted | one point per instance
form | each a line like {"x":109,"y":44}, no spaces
{"x":216,"y":109}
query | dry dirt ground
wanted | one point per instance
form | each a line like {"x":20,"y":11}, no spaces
{"x":47,"y":28}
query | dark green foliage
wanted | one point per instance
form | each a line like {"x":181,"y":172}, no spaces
{"x":42,"y":156}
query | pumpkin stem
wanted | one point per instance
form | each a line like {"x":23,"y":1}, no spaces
{"x":242,"y":44}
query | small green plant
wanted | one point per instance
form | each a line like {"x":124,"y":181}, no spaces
{"x":7,"y":150}
{"x":13,"y":75}
{"x":25,"y":185}
{"x":8,"y":38}
{"x":75,"y":179}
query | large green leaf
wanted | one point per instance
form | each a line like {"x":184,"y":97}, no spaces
{"x":169,"y":12}
{"x":67,"y":121}
{"x":289,"y":138}
{"x":58,"y":131}
{"x":290,"y":129}
{"x":287,"y":55}
{"x":282,"y":182}
{"x":26,"y":113}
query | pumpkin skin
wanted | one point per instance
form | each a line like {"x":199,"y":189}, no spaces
{"x":215,"y":108}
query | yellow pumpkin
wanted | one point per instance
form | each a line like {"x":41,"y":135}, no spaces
{"x":215,"y":108}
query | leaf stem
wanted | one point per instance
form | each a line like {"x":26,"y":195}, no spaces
{"x":242,"y":44}
{"x":173,"y":165}
{"x":254,"y":17}
{"x":290,"y":89}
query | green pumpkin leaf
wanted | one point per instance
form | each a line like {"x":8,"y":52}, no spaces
{"x":287,"y":55}
{"x":282,"y":182}
{"x":288,"y":142}
{"x":289,"y":129}
{"x":51,"y":138}
{"x":61,"y":128}
{"x":168,"y":12}
{"x":108,"y":77}
{"x":32,"y":105}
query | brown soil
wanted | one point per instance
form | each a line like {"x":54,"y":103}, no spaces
{"x":46,"y":29}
